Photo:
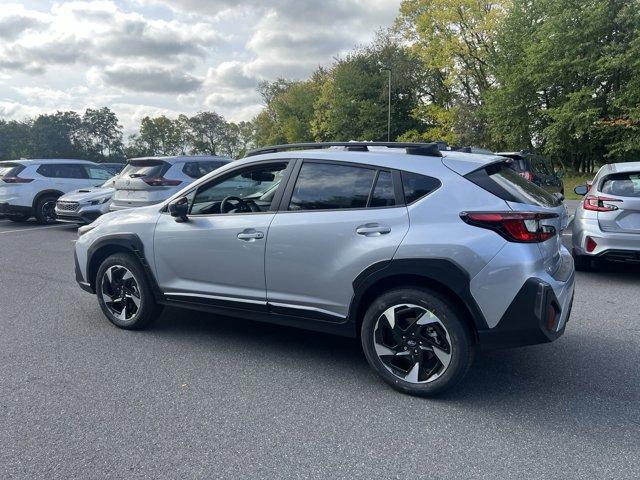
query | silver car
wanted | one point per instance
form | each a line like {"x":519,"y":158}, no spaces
{"x":424,"y":255}
{"x":150,"y":180}
{"x":85,"y":204}
{"x":607,"y":223}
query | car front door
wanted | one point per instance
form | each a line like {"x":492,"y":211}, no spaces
{"x":336,"y":220}
{"x":217,"y":254}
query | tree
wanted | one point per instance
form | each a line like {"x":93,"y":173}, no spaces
{"x":159,"y":136}
{"x":208,"y":132}
{"x":57,"y":135}
{"x":15,"y":139}
{"x":353,"y":99}
{"x":102,"y":134}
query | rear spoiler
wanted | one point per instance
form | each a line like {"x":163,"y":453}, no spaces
{"x":472,"y":162}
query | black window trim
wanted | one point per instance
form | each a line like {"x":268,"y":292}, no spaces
{"x":404,"y":200}
{"x":293,"y":179}
{"x":273,"y":208}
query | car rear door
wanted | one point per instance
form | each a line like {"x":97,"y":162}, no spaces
{"x":621,"y":190}
{"x":336,"y":219}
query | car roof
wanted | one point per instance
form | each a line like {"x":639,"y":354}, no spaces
{"x":185,"y":158}
{"x":460,"y":162}
{"x":38,"y":161}
{"x":622,"y":167}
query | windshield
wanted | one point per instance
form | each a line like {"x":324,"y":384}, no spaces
{"x":143,"y":168}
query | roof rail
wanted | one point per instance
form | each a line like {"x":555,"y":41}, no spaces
{"x":427,"y":149}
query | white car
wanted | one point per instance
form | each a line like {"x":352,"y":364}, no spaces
{"x":150,"y":180}
{"x":30,"y":188}
{"x":83,"y":206}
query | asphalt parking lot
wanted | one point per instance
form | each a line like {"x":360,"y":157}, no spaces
{"x":202,"y":397}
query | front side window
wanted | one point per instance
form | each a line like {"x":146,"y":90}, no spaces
{"x":98,"y":173}
{"x":247,"y":190}
{"x":327,"y":186}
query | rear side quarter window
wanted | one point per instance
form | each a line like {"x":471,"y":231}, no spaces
{"x":417,"y":186}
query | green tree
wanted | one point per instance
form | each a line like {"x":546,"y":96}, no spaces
{"x":15,"y":139}
{"x":57,"y":135}
{"x":159,"y":136}
{"x":208,"y":133}
{"x":102,"y":137}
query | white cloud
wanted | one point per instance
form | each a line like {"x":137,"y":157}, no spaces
{"x":146,"y":57}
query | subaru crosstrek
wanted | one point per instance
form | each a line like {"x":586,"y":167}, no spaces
{"x":607,"y":223}
{"x":424,"y":255}
{"x":30,"y":188}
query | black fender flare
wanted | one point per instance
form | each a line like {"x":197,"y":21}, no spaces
{"x":36,"y":199}
{"x":440,"y":271}
{"x":130,"y":242}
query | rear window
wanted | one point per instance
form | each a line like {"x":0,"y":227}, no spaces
{"x":200,"y":169}
{"x":622,"y":185}
{"x":505,"y":183}
{"x":10,"y":169}
{"x":145,"y":169}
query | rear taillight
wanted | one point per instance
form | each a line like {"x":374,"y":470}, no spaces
{"x":599,"y":204}
{"x":161,"y":182}
{"x":16,"y":179}
{"x":527,"y":175}
{"x":520,"y":227}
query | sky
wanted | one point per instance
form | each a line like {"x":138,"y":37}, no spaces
{"x":155,"y":57}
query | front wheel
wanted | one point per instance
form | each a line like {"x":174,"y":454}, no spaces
{"x":124,"y":293}
{"x":416,"y":341}
{"x":45,"y":211}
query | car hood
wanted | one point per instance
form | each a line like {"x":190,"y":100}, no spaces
{"x":87,"y":194}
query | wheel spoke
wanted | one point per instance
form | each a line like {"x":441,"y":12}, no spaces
{"x":390,"y":315}
{"x":412,"y":376}
{"x":127,"y":275}
{"x":109,"y":274}
{"x":444,"y":357}
{"x":134,"y":299}
{"x":382,"y":350}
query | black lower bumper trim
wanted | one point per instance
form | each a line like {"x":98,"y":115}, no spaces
{"x":620,"y":255}
{"x":9,"y":210}
{"x":532,"y":318}
{"x":86,"y":286}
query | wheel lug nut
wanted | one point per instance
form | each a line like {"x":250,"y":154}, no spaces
{"x":405,"y":348}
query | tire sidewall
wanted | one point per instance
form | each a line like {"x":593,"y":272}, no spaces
{"x":39,"y":214}
{"x":146,"y":311}
{"x":459,"y":335}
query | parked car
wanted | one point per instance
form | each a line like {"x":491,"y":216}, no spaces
{"x":424,"y":255}
{"x":114,"y":168}
{"x":86,"y":204}
{"x":150,"y":180}
{"x":542,"y":171}
{"x":607,"y":224}
{"x":31,"y":187}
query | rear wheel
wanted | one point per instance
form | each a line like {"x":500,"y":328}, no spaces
{"x":124,"y":293}
{"x":45,"y":211}
{"x":416,"y":341}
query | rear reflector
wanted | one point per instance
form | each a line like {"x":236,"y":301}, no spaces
{"x":591,"y":244}
{"x":161,"y":182}
{"x":599,"y":204}
{"x":519,"y":227}
{"x":16,"y":179}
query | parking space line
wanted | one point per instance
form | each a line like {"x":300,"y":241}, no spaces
{"x":32,"y":229}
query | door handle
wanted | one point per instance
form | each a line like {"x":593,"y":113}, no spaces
{"x":373,"y":230}
{"x":250,"y":234}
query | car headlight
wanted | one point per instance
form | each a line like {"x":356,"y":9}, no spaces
{"x":99,"y":201}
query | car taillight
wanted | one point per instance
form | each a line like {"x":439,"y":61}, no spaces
{"x":161,"y":182}
{"x":520,"y":227}
{"x":598,"y":204}
{"x":527,"y":175}
{"x":16,"y":179}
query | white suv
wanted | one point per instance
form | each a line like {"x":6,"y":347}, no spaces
{"x":150,"y":180}
{"x":30,"y":188}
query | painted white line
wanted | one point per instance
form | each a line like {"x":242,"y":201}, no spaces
{"x":32,"y":229}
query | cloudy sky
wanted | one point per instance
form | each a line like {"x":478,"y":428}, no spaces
{"x":152,"y":57}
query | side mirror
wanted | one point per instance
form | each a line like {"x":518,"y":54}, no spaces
{"x":179,"y":208}
{"x":581,"y":190}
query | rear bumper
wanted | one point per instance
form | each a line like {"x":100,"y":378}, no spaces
{"x":536,"y":315}
{"x":8,"y":210}
{"x":609,"y":245}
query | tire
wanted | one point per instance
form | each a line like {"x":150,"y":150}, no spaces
{"x":438,"y":370}
{"x":124,"y":293}
{"x":18,"y":218}
{"x":45,"y":209}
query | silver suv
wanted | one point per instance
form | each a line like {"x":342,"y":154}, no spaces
{"x":425,"y":256}
{"x":150,"y":180}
